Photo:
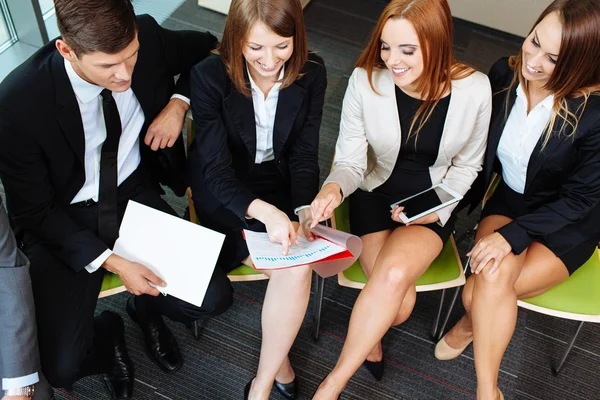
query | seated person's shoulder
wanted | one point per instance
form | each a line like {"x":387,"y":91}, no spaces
{"x":501,"y":74}
{"x":31,"y":82}
{"x":313,"y":69}
{"x":146,"y":22}
{"x":212,"y":67}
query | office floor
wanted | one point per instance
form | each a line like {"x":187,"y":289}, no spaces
{"x":225,"y":358}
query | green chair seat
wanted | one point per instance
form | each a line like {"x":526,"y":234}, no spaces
{"x":245,"y":273}
{"x":580,"y":294}
{"x":111,"y":284}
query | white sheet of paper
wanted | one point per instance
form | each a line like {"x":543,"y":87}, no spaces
{"x":268,"y":255}
{"x":184,"y":254}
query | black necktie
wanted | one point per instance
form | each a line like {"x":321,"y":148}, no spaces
{"x":108,"y":220}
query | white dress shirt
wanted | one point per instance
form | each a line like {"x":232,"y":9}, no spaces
{"x":264,"y":116}
{"x":19,"y":382}
{"x":94,"y":128}
{"x":519,"y":138}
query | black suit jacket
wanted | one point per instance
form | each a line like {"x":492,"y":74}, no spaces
{"x":225,"y":143}
{"x":563,"y":178}
{"x":42,"y":142}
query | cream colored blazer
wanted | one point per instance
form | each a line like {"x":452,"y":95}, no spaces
{"x":370,"y":135}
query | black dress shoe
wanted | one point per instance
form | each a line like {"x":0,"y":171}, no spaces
{"x":160,"y":342}
{"x":119,"y":381}
{"x":287,"y":390}
{"x":375,"y":368}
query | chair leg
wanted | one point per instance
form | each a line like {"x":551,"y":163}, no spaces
{"x":318,"y":304}
{"x":450,"y":309}
{"x":197,"y":327}
{"x":557,"y":369}
{"x":439,"y":314}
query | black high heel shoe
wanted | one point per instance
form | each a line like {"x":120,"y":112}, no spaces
{"x":375,"y":368}
{"x":287,"y":390}
{"x":247,"y":389}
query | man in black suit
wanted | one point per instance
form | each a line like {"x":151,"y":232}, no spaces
{"x":80,"y":125}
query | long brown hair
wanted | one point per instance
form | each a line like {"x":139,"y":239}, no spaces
{"x":283,"y":17}
{"x":577,"y":70}
{"x":432,"y":21}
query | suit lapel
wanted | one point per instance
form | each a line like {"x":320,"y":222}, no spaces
{"x":241,"y":110}
{"x":68,"y":114}
{"x":288,"y":105}
{"x":500,"y":116}
{"x":143,"y":94}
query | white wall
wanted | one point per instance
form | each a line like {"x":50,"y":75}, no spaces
{"x":512,"y":16}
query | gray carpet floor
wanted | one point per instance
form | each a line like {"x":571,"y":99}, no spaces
{"x":225,"y":358}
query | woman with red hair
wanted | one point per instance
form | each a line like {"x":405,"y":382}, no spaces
{"x":412,"y":117}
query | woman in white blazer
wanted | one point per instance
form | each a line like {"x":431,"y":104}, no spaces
{"x":412,"y":117}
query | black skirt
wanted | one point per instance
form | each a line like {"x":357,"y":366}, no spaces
{"x":508,"y":203}
{"x":269,"y":185}
{"x":370,"y":213}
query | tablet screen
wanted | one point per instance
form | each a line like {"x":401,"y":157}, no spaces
{"x":425,"y":201}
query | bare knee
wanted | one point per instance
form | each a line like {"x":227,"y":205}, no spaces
{"x":391,"y":277}
{"x":501,"y":281}
{"x":298,"y":277}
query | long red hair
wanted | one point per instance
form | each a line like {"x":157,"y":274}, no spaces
{"x":432,"y":21}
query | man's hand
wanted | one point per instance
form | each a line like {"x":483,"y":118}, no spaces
{"x":135,"y":276}
{"x":167,"y":126}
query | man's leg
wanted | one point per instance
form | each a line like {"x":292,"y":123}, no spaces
{"x":72,"y":344}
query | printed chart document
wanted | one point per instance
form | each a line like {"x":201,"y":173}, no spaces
{"x":331,"y":252}
{"x":184,"y":254}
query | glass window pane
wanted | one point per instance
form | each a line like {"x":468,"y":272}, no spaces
{"x":4,"y":35}
{"x":46,"y":5}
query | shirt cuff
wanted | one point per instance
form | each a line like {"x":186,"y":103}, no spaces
{"x":180,"y":97}
{"x":97,"y":263}
{"x":23,"y":381}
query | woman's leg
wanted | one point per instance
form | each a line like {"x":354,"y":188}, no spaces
{"x":527,"y":285}
{"x":494,"y":307}
{"x":372,"y":244}
{"x":405,"y":255}
{"x":283,"y":311}
{"x":491,"y":303}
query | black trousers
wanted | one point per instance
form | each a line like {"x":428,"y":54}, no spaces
{"x":73,"y":343}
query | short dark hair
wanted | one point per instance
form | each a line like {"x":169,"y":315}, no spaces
{"x":89,"y":26}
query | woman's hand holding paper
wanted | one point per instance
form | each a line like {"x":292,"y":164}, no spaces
{"x":328,"y":199}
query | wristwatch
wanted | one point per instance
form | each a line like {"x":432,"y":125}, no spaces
{"x":22,"y":391}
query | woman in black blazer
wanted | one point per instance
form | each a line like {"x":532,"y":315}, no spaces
{"x":257,"y":110}
{"x":543,"y":221}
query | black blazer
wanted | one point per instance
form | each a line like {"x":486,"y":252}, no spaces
{"x":225,"y":143}
{"x":42,"y":142}
{"x":563,"y":179}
